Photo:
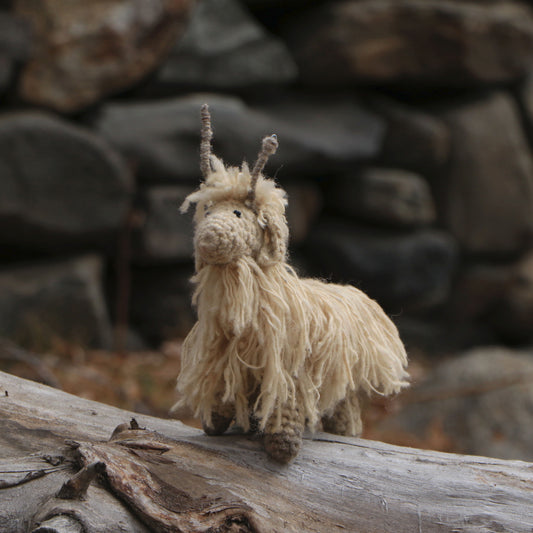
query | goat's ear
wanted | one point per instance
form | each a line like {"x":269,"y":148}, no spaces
{"x":274,"y":249}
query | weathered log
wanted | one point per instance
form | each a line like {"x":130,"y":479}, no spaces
{"x":160,"y":475}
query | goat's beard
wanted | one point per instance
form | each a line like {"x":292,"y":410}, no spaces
{"x":236,"y":350}
{"x":264,"y":337}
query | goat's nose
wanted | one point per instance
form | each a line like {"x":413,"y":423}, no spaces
{"x":215,"y":241}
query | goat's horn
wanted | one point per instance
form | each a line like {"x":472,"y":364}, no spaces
{"x":268,"y":147}
{"x":205,"y":141}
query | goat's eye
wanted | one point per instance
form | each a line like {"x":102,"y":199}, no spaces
{"x":237,"y":213}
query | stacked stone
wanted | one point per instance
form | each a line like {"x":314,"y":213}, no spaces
{"x":405,"y":132}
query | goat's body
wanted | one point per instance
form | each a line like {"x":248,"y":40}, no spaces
{"x":269,"y":346}
{"x":265,"y":338}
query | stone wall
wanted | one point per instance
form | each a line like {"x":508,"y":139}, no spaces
{"x":405,"y":131}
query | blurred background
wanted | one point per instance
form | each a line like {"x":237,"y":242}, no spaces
{"x":406,"y":134}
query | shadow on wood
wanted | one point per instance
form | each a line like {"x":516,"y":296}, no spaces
{"x":69,"y":464}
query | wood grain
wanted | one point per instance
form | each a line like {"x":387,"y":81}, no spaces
{"x":335,"y":484}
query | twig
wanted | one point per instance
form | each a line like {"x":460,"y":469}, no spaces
{"x":76,"y":487}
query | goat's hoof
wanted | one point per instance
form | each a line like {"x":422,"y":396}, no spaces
{"x":346,"y":428}
{"x":255,"y":425}
{"x":282,"y":447}
{"x":219,"y":424}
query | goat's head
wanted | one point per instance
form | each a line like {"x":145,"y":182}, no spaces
{"x":239,"y":213}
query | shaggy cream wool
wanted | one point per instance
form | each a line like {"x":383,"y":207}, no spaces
{"x":264,"y":336}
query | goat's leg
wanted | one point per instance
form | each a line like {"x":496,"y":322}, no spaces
{"x":284,"y":440}
{"x":346,"y":417}
{"x":255,"y":425}
{"x":253,"y":420}
{"x":221,"y":418}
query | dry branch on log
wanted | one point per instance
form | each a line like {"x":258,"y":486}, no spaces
{"x":160,"y":475}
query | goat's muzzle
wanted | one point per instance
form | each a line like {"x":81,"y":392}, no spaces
{"x":218,"y":240}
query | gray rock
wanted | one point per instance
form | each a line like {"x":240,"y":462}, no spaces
{"x":275,"y":3}
{"x":305,"y":203}
{"x":488,"y":196}
{"x":481,"y":402}
{"x":89,"y":50}
{"x":430,"y":43}
{"x":15,"y":45}
{"x":61,"y":186}
{"x":500,"y":296}
{"x":40,"y":304}
{"x":322,"y":134}
{"x":6,"y":70}
{"x":161,"y":302}
{"x":165,"y":234}
{"x":479,"y":290}
{"x":512,"y":314}
{"x":385,"y":196}
{"x":15,"y":37}
{"x":161,"y":139}
{"x":403,"y":271}
{"x":525,"y":98}
{"x":437,"y":336}
{"x":225,"y":48}
{"x":415,"y":140}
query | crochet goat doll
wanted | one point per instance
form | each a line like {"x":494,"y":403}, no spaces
{"x":271,"y":351}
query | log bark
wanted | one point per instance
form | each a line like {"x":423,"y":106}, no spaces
{"x":69,"y":465}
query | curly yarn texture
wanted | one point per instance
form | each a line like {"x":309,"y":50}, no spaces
{"x":262,"y":330}
{"x":265,"y":330}
{"x":270,"y":347}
